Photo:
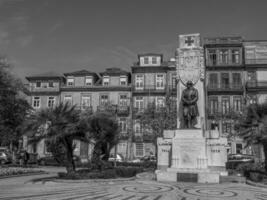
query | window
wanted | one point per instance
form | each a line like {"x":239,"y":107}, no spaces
{"x":173,"y":81}
{"x":68,"y":99}
{"x":139,"y":82}
{"x":146,"y":60}
{"x":123,"y":125}
{"x":154,"y":60}
{"x":159,"y":81}
{"x":139,"y":149}
{"x":139,"y":103}
{"x":137,"y":128}
{"x":123,"y":80}
{"x":86,"y":102}
{"x":123,"y":100}
{"x":252,"y":78}
{"x":88,"y":81}
{"x":226,"y":127}
{"x":51,"y":84}
{"x":237,"y":104}
{"x":36,"y":102}
{"x":213,"y":105}
{"x":225,"y":80}
{"x":224,"y":56}
{"x":70,"y":82}
{"x":225,"y":105}
{"x":239,"y":148}
{"x":235,"y":56}
{"x":38,"y":84}
{"x":212,"y":57}
{"x":103,"y":99}
{"x":160,"y":102}
{"x":105,"y":80}
{"x":213,"y":81}
{"x":236,"y":80}
{"x":51,"y":102}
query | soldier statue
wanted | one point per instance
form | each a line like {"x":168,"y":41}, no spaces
{"x":188,"y":111}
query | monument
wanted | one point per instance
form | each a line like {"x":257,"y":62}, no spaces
{"x":191,"y":153}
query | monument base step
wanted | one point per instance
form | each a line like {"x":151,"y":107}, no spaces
{"x":192,"y":176}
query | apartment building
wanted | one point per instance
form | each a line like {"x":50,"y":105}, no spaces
{"x":225,"y":85}
{"x":110,"y":91}
{"x":153,"y":80}
{"x":43,"y":92}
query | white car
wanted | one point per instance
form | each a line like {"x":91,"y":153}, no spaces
{"x":118,"y":158}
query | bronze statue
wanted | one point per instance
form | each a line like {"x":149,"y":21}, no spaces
{"x":188,"y":111}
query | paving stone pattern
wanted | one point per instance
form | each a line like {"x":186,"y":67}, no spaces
{"x":128,"y":190}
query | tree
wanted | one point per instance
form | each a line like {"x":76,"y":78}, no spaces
{"x":252,"y":126}
{"x":59,"y":127}
{"x":104,"y":132}
{"x":154,"y":120}
{"x":13,"y":108}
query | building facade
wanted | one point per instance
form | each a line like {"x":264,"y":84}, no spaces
{"x":236,"y":72}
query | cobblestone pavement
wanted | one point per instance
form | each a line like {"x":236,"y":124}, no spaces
{"x":22,"y":188}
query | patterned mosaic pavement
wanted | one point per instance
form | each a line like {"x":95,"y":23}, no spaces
{"x":127,"y":190}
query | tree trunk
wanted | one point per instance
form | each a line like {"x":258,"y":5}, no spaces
{"x":96,"y":158}
{"x":264,"y":144}
{"x":70,"y":165}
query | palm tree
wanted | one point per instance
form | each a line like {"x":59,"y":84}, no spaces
{"x":104,"y":132}
{"x":59,"y":126}
{"x":252,"y":127}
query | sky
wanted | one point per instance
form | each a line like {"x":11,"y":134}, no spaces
{"x":39,"y":36}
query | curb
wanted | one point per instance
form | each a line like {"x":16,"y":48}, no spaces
{"x":91,"y":180}
{"x":256,"y":184}
{"x":26,"y":174}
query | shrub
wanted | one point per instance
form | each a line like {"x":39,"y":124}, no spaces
{"x":123,"y":172}
{"x":146,"y":164}
{"x":128,"y":171}
{"x":253,"y":171}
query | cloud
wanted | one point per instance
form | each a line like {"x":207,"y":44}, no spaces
{"x":4,"y":36}
{"x":25,"y":40}
{"x":55,"y":27}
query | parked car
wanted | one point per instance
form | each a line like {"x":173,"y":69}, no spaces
{"x":235,"y":159}
{"x":150,"y":158}
{"x":5,"y":158}
{"x":50,"y":160}
{"x":119,"y":158}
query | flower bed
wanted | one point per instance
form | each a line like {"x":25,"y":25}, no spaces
{"x":11,"y":171}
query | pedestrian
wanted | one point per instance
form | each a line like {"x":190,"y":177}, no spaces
{"x":26,"y":157}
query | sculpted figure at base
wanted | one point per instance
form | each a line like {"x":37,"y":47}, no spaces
{"x":188,"y":107}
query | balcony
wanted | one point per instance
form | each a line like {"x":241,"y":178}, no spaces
{"x":123,"y":110}
{"x":87,"y":109}
{"x":256,"y":61}
{"x":43,"y":89}
{"x":96,"y":87}
{"x":225,"y":88}
{"x":138,"y":111}
{"x":216,"y":63}
{"x":256,"y":85}
{"x":149,"y":88}
{"x":106,"y":108}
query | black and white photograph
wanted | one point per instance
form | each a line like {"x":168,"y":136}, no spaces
{"x":133,"y":100}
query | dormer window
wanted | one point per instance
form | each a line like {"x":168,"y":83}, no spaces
{"x":123,"y":80}
{"x":70,"y":82}
{"x":88,"y":81}
{"x":105,"y":80}
{"x":38,"y":84}
{"x":154,"y":60}
{"x":146,"y":60}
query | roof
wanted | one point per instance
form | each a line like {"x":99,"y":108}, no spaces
{"x":114,"y":71}
{"x":46,"y":76}
{"x":81,"y":73}
{"x":150,"y":54}
{"x":223,"y":40}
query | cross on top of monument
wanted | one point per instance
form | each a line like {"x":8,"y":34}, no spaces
{"x":189,"y":41}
